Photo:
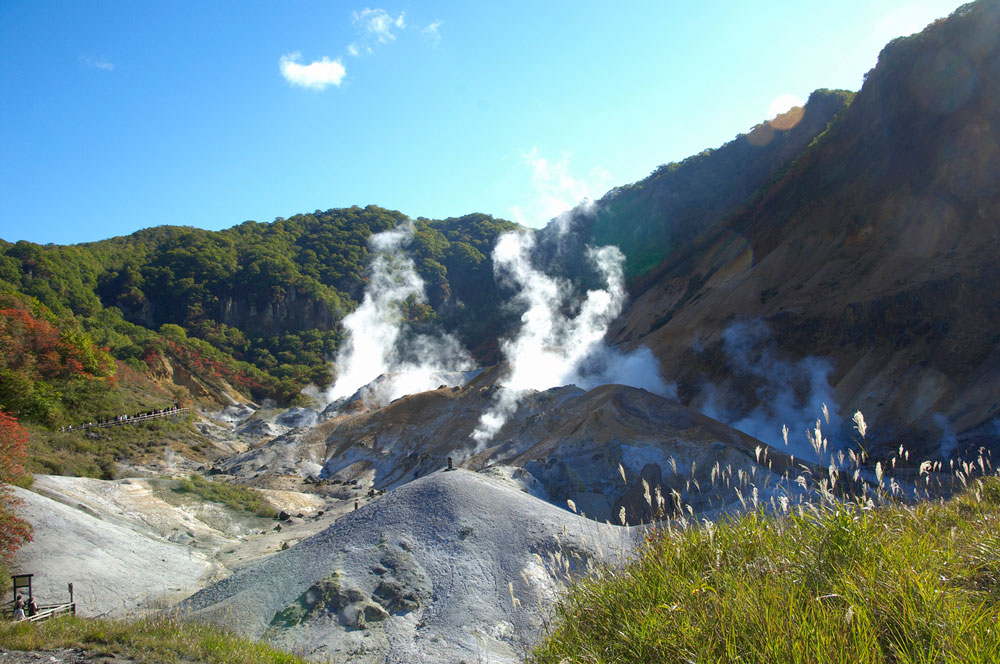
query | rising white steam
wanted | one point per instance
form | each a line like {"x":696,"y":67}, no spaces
{"x":788,"y":393}
{"x":553,"y":348}
{"x":377,"y":343}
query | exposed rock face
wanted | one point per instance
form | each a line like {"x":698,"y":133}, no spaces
{"x":328,"y":597}
{"x":561,"y":444}
{"x":876,"y":251}
{"x":290,"y":310}
{"x":173,"y":376}
{"x":404,"y":586}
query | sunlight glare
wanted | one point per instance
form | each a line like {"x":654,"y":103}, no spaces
{"x":782,"y":103}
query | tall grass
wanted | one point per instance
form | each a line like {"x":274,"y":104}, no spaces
{"x":151,"y":640}
{"x":860,"y":566}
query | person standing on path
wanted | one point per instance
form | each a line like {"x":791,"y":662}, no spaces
{"x":19,"y":608}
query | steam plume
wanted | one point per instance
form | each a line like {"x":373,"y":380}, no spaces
{"x":553,"y":348}
{"x":378,"y":343}
{"x":949,"y":442}
{"x":787,"y":393}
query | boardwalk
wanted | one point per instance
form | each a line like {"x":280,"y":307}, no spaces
{"x":129,"y":419}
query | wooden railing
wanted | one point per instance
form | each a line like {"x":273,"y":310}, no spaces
{"x":46,"y":612}
{"x":43,"y":613}
{"x":131,"y":419}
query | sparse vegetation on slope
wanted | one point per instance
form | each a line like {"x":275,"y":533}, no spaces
{"x":154,"y":640}
{"x":234,"y":496}
{"x":14,"y":530}
{"x":650,"y":219}
{"x":95,"y":452}
{"x":822,"y":253}
{"x":839,"y":582}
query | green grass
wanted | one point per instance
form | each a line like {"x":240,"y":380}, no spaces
{"x":95,"y":452}
{"x":839,"y":582}
{"x":153,"y":640}
{"x":234,"y":496}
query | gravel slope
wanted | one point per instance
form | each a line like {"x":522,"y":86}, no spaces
{"x":426,"y":566}
{"x":133,"y":544}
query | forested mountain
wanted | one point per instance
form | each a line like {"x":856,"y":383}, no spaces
{"x":257,"y":305}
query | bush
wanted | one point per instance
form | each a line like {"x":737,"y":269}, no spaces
{"x":14,"y":531}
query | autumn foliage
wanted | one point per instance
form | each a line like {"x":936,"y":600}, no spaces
{"x":34,"y":345}
{"x":14,"y":531}
{"x":48,"y":366}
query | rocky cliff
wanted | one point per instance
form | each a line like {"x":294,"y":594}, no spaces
{"x":875,"y":251}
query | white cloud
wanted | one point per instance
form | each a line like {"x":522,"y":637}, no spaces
{"x":98,"y":63}
{"x":378,"y":26}
{"x":431,"y":33}
{"x":555,"y":189}
{"x":375,"y":27}
{"x":316,"y":75}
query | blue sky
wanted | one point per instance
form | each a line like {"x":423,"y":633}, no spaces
{"x":116,"y":116}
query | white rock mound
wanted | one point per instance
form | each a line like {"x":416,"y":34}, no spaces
{"x":423,"y":574}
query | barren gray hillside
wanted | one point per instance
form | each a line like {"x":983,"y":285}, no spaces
{"x":422,"y":574}
{"x":115,"y":569}
{"x":424,"y":570}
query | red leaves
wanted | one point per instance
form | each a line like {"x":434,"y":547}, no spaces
{"x":13,"y":447}
{"x":14,"y":531}
{"x":38,"y":349}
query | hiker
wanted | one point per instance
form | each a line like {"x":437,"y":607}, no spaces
{"x":32,"y":607}
{"x":19,"y":608}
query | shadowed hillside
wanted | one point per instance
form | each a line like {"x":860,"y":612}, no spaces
{"x":875,"y":252}
{"x":652,"y":218}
